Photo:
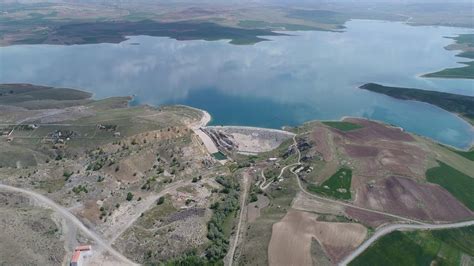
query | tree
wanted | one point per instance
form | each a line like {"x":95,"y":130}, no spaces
{"x":160,"y":201}
{"x":129,"y":196}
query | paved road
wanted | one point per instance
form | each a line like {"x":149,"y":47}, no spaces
{"x":393,"y":227}
{"x":384,"y":230}
{"x":72,"y":219}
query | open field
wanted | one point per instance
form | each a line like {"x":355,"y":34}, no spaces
{"x":457,"y":183}
{"x":406,"y":197}
{"x":58,"y":23}
{"x":444,"y":247}
{"x":388,"y":171}
{"x":30,"y":229}
{"x":337,"y":186}
{"x":292,"y":236}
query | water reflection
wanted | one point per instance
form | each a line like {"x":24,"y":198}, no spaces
{"x":292,"y":79}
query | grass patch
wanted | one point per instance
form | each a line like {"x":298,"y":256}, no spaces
{"x":441,"y":247}
{"x":457,"y":183}
{"x":150,"y":217}
{"x":259,"y":232}
{"x":219,"y":156}
{"x":344,"y":126}
{"x":337,"y":186}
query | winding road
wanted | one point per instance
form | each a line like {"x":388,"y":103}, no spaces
{"x":343,"y":203}
{"x":383,"y":230}
{"x":64,"y":213}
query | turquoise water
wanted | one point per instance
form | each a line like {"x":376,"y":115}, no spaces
{"x":286,"y":81}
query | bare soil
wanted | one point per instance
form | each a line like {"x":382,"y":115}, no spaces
{"x":29,"y":235}
{"x":406,"y":197}
{"x":368,"y":218}
{"x":305,"y":203}
{"x":292,"y":236}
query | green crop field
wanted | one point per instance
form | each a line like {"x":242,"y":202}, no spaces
{"x":344,"y":126}
{"x":337,"y":186}
{"x":457,"y":183}
{"x":444,"y":247}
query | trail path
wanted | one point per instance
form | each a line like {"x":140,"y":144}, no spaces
{"x":127,"y":219}
{"x":64,"y":213}
{"x":231,"y":253}
{"x":340,"y":202}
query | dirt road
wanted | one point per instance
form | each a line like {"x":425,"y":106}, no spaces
{"x":64,"y":213}
{"x":393,"y":227}
{"x":263,"y":186}
{"x":340,"y":202}
{"x":233,"y":246}
{"x":127,"y":219}
{"x":384,"y":230}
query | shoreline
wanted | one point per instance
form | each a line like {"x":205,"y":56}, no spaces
{"x":207,"y":118}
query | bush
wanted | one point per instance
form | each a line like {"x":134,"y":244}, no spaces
{"x":253,"y":197}
{"x":129,"y":196}
{"x":160,"y":201}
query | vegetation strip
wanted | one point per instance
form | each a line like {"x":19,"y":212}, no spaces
{"x":459,"y":104}
{"x":466,"y":43}
{"x":342,"y":125}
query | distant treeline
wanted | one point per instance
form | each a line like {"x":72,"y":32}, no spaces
{"x":459,"y":104}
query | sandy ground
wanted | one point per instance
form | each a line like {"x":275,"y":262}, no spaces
{"x":291,"y":239}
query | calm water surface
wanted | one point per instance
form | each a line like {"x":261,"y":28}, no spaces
{"x":286,"y":81}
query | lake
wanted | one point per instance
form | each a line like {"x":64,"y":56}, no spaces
{"x":286,"y":81}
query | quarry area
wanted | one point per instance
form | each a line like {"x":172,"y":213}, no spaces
{"x":99,"y":182}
